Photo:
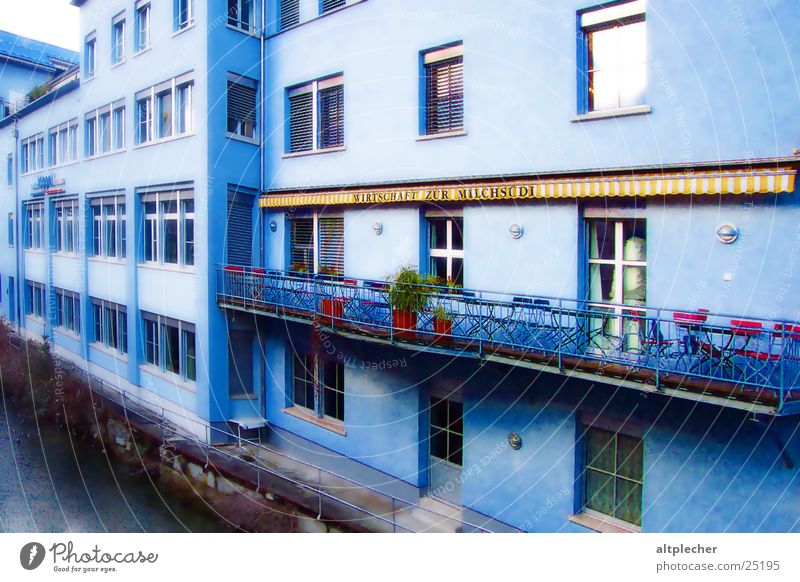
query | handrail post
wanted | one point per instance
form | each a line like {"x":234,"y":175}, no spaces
{"x":657,"y":342}
{"x":560,"y":336}
{"x":783,"y":367}
{"x":481,"y":325}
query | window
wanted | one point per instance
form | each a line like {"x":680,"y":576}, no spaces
{"x":11,"y":227}
{"x":316,"y":244}
{"x":108,"y":227}
{"x":170,"y":345}
{"x":66,"y":226}
{"x":63,"y":143}
{"x":110,"y":322}
{"x":165,"y":110}
{"x":184,"y":14}
{"x":318,"y":386}
{"x":240,"y":364}
{"x":68,"y":311}
{"x":32,"y":159}
{"x":328,"y":5}
{"x":118,"y":39}
{"x":90,"y":56}
{"x":316,"y":115}
{"x":447,"y":430}
{"x":240,"y":14}
{"x":444,"y":90}
{"x":446,"y":248}
{"x":617,"y":276}
{"x":34,"y":229}
{"x":142,"y":40}
{"x":615,"y":40}
{"x":10,"y":170}
{"x":289,"y":13}
{"x":34,"y":300}
{"x":613,"y":474}
{"x":169,"y":228}
{"x":239,"y":229}
{"x":105,"y":129}
{"x":242,"y":106}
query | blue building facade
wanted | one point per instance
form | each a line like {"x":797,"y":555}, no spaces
{"x":538,"y":265}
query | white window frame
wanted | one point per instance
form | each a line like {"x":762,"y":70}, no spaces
{"x":65,"y":298}
{"x":157,"y":220}
{"x":95,"y":135}
{"x":67,"y":222}
{"x":189,"y":22}
{"x":33,"y":158}
{"x":448,"y":253}
{"x":152,"y":96}
{"x":34,"y":226}
{"x":315,"y":217}
{"x":63,"y":143}
{"x":183,"y":328}
{"x":313,"y":87}
{"x":142,"y":25}
{"x":240,"y":130}
{"x":118,"y":39}
{"x":90,"y":56}
{"x":100,"y":225}
{"x":35,"y":305}
{"x":236,"y":22}
{"x":120,"y":315}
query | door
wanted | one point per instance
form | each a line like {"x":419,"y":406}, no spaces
{"x":12,"y":303}
{"x":446,"y":444}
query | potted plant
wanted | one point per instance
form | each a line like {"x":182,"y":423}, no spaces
{"x":408,"y":295}
{"x":332,"y":307}
{"x":442,"y":323}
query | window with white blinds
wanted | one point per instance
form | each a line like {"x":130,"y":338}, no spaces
{"x":328,"y":5}
{"x":316,"y":115}
{"x":239,"y":231}
{"x":242,"y":106}
{"x":331,"y":245}
{"x":444,"y":90}
{"x":289,"y":13}
{"x":301,"y":251}
{"x":317,"y":244}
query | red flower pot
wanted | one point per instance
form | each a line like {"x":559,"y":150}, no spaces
{"x":443,"y":329}
{"x":332,"y":310}
{"x":405,"y":324}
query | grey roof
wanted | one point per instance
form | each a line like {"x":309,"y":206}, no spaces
{"x":35,"y":53}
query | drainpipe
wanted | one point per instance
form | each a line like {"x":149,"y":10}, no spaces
{"x":262,"y":181}
{"x":17,"y":222}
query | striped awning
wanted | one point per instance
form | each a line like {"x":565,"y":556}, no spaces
{"x":697,"y":182}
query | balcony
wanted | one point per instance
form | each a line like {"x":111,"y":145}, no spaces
{"x":729,"y":360}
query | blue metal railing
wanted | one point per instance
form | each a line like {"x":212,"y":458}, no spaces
{"x":652,"y":345}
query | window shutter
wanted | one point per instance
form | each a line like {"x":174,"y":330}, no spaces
{"x":445,"y":92}
{"x":241,"y":102}
{"x":331,"y":117}
{"x":301,"y":252}
{"x":331,"y":244}
{"x":239,"y":232}
{"x":301,"y":123}
{"x":290,"y":13}
{"x":328,"y":5}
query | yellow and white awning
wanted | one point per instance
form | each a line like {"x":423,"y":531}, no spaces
{"x":698,"y":182}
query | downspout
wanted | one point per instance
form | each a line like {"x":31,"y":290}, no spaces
{"x":17,"y":222}
{"x":262,"y":181}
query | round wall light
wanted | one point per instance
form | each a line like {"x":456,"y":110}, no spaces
{"x":516,"y":231}
{"x":515,"y":441}
{"x":273,"y":226}
{"x":727,"y":233}
{"x":377,"y":228}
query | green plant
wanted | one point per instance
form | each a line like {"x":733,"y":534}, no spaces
{"x":329,"y":271}
{"x":298,"y":268}
{"x":410,"y":290}
{"x":442,"y":314}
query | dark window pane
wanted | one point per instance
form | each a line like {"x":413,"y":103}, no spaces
{"x":630,"y":460}
{"x":438,"y":444}
{"x":438,"y":233}
{"x":629,"y":501}
{"x":439,"y":413}
{"x":171,"y":240}
{"x":171,"y":349}
{"x":458,"y":233}
{"x":599,"y":492}
{"x":455,"y":445}
{"x":600,"y":450}
{"x":601,"y":240}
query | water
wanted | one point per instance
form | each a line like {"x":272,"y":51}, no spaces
{"x":52,"y":482}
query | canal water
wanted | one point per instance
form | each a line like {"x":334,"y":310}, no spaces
{"x":51,"y":482}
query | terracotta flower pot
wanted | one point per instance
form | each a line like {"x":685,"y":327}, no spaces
{"x":332,"y":310}
{"x":405,"y":324}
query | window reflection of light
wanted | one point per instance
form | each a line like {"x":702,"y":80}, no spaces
{"x":617,"y":66}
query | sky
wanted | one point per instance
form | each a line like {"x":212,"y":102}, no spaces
{"x":51,"y":21}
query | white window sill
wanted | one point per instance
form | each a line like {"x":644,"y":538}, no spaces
{"x":173,"y":379}
{"x":189,"y":270}
{"x":92,"y":77}
{"x":241,"y":138}
{"x":247,"y":32}
{"x":34,"y":318}
{"x":106,"y":260}
{"x":308,"y":416}
{"x":64,"y":164}
{"x":33,"y":172}
{"x":443,"y":135}
{"x":119,"y":64}
{"x":104,"y":155}
{"x":188,"y":26}
{"x":613,"y":113}
{"x":142,"y":51}
{"x":163,"y":140}
{"x":246,"y":397}
{"x":68,"y":333}
{"x":313,"y":152}
{"x":65,"y":255}
{"x":601,"y":525}
{"x":35,"y":251}
{"x":109,"y":351}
